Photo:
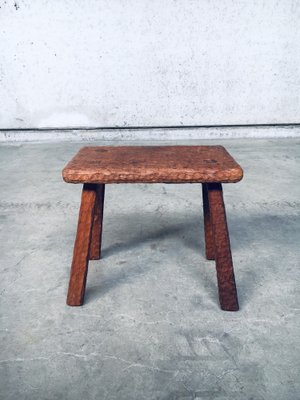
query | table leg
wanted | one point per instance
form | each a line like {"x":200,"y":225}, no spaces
{"x":224,"y":266}
{"x":208,"y":233}
{"x":95,"y":248}
{"x":80,"y":261}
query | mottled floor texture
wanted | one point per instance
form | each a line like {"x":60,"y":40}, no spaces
{"x":151,"y":326}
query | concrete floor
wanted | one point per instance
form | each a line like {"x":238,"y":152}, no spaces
{"x":151,"y":326}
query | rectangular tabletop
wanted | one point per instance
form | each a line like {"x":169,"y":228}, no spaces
{"x":152,"y":164}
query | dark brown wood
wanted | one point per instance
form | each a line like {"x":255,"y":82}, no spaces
{"x":225,"y":274}
{"x":95,"y":247}
{"x":208,"y":233}
{"x":152,"y":164}
{"x":95,"y":166}
{"x":80,"y":261}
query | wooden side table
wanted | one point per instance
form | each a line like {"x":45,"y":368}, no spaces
{"x":96,"y":166}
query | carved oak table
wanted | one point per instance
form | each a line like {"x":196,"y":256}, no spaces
{"x":96,"y":166}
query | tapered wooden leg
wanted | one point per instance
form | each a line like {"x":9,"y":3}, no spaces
{"x":224,"y":266}
{"x":208,"y":233}
{"x":95,"y":248}
{"x":80,"y":261}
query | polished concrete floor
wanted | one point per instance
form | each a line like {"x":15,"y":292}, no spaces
{"x":151,"y":326}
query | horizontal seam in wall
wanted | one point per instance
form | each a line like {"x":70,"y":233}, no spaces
{"x":151,"y":127}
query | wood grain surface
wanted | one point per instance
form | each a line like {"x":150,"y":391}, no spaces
{"x":152,"y":164}
{"x":80,"y":261}
{"x":225,"y":275}
{"x":208,"y":231}
{"x":95,"y":247}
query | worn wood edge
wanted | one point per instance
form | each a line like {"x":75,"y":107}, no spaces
{"x":71,"y":176}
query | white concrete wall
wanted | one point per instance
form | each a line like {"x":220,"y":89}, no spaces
{"x":104,"y":63}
